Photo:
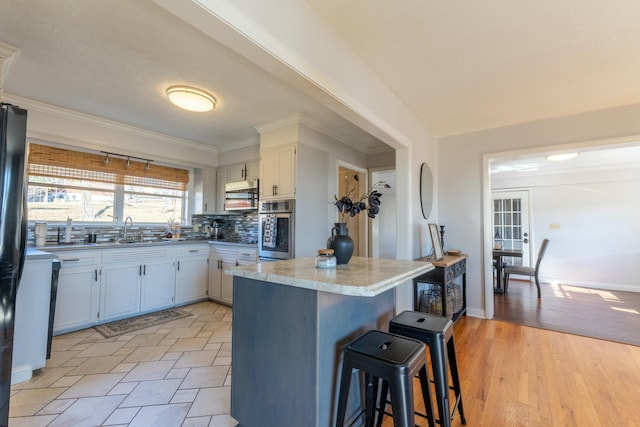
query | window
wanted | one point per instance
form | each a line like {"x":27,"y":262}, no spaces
{"x":56,"y":199}
{"x":71,"y":184}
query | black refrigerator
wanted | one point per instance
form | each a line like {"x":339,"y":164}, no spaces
{"x":13,"y":233}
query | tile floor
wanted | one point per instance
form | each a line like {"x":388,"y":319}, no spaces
{"x":174,"y":374}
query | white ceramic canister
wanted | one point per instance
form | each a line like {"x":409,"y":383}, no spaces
{"x":40,"y":233}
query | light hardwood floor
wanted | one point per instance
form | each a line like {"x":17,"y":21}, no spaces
{"x":177,"y":374}
{"x":515,"y":375}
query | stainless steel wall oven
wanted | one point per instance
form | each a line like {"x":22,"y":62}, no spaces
{"x":276,"y":229}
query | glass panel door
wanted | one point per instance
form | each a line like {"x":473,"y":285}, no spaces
{"x":511,"y":223}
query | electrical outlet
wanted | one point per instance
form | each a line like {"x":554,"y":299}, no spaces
{"x":554,"y":226}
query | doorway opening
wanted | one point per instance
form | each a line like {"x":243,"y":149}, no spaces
{"x":352,"y":182}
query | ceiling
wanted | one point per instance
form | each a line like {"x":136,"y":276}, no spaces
{"x":459,"y":66}
{"x":588,"y":160}
{"x":114,"y":59}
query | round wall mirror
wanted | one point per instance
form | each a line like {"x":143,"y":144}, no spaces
{"x":426,"y":190}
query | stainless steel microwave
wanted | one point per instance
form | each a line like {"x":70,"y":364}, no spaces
{"x":241,"y":196}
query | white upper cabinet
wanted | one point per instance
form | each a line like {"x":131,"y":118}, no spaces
{"x":277,"y":173}
{"x":209,"y":193}
{"x":243,"y":172}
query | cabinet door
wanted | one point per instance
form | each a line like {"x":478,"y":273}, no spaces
{"x":253,"y":170}
{"x":227,"y":284}
{"x":192,"y":274}
{"x":120,"y":293}
{"x":220,"y":196}
{"x":215,"y":284}
{"x":267,"y":175}
{"x":285,"y":170}
{"x":77,"y":299}
{"x":277,"y":173}
{"x":235,"y":173}
{"x":158,"y":285}
{"x":209,"y":197}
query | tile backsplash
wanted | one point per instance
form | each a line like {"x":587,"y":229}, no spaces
{"x":235,"y":228}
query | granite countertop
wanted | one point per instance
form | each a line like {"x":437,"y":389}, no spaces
{"x":361,"y":277}
{"x":33,"y":254}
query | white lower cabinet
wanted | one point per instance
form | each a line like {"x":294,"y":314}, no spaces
{"x":223,"y":256}
{"x":192,"y":273}
{"x":157,"y":286}
{"x":78,"y":296}
{"x":120,"y":296}
{"x":226,"y":283}
{"x":136,"y":280}
{"x":101,"y":285}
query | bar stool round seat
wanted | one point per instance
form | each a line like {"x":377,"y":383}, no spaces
{"x":393,"y":359}
{"x":437,"y":333}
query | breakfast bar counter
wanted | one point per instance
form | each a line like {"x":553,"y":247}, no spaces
{"x":291,"y":322}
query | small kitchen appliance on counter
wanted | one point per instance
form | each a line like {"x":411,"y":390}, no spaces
{"x":216,"y":230}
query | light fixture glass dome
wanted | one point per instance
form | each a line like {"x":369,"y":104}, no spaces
{"x":191,"y":98}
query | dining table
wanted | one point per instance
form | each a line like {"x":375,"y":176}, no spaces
{"x":498,"y":255}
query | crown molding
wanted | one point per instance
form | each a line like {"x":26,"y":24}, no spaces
{"x":105,"y":123}
{"x":244,"y":143}
{"x":277,"y":124}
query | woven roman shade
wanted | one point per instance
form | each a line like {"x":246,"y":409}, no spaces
{"x":61,"y":163}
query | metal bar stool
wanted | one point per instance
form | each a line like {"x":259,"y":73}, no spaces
{"x":436,"y":332}
{"x":395,"y":360}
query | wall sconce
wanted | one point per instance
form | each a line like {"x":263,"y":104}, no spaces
{"x":148,"y":166}
{"x":106,"y":159}
{"x":128,"y":163}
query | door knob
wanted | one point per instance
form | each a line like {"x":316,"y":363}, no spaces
{"x":526,"y":240}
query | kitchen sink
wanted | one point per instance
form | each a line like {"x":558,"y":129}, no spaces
{"x":128,"y":242}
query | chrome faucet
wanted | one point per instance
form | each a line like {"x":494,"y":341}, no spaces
{"x":130,"y":220}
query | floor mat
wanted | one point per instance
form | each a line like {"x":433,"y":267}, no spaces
{"x":120,"y":327}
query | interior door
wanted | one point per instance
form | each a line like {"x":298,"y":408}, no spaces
{"x":347,"y":185}
{"x":511,"y":223}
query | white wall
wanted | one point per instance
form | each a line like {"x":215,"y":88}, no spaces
{"x":384,"y":225}
{"x":597,"y":216}
{"x":63,"y":127}
{"x":461,"y":176}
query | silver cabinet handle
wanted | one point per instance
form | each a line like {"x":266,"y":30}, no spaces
{"x":178,"y":265}
{"x":194,"y":250}
{"x":96,"y":274}
{"x":70,"y":260}
{"x":139,"y":270}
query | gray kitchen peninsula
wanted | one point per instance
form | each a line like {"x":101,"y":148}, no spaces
{"x":291,"y":322}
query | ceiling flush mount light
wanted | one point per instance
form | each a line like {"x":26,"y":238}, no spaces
{"x":560,"y":157}
{"x":191,"y":98}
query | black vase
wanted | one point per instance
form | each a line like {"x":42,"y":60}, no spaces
{"x":341,"y":243}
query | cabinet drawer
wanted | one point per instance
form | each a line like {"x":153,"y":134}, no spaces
{"x":78,"y":257}
{"x":193,"y":250}
{"x":249,"y":254}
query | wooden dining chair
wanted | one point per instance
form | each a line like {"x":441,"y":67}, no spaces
{"x":527,"y":271}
